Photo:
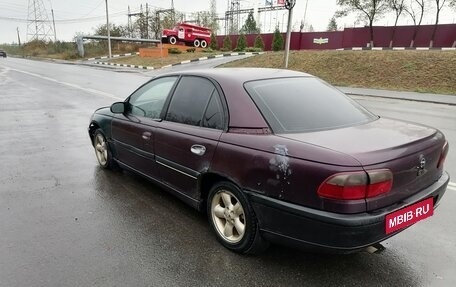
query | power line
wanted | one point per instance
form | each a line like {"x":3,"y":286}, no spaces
{"x":68,"y":21}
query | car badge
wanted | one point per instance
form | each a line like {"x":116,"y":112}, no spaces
{"x":421,"y":168}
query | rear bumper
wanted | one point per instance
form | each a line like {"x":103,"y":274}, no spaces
{"x":286,"y":223}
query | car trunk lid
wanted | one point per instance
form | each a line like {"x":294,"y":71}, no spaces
{"x":409,"y":150}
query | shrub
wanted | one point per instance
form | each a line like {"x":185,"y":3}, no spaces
{"x":213,"y":45}
{"x":253,"y":49}
{"x":259,"y":43}
{"x":227,"y":45}
{"x":208,"y":50}
{"x":189,"y":50}
{"x":174,"y":51}
{"x":241,"y":43}
{"x":277,"y":40}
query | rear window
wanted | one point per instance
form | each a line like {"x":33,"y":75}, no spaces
{"x":303,"y":104}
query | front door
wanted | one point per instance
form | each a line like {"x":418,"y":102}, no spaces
{"x":133,"y":132}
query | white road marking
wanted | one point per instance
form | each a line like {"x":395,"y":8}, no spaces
{"x":452,"y":186}
{"x":89,"y":90}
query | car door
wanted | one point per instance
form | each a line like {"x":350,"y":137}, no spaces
{"x":187,"y":138}
{"x":133,"y":131}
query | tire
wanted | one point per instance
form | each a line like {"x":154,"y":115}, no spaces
{"x":102,"y":150}
{"x":233,"y":220}
{"x":203,"y":44}
{"x":172,"y":40}
{"x":196,"y":43}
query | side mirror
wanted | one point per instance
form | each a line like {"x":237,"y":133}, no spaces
{"x":118,"y":108}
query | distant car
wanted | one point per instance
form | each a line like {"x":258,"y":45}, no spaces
{"x":275,"y":156}
{"x":2,"y":53}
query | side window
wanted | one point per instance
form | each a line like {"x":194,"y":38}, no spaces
{"x":213,"y":116}
{"x":148,"y":101}
{"x":190,"y":100}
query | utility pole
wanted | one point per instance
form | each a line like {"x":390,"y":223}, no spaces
{"x":53,"y":24}
{"x":147,"y":21}
{"x":18,"y":37}
{"x":305,"y":13}
{"x":107,"y":28}
{"x":289,"y":4}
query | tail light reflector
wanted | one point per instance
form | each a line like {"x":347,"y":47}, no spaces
{"x":443,"y":155}
{"x":356,"y":185}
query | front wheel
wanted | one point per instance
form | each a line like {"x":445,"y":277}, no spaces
{"x":233,"y":219}
{"x":102,"y":150}
{"x":172,"y":40}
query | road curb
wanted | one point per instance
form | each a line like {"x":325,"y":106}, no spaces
{"x":113,"y":56}
{"x":397,"y":49}
{"x":125,"y":65}
{"x":180,"y":63}
{"x":402,"y":99}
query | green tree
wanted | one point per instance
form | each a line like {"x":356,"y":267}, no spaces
{"x":277,"y":40}
{"x":368,"y":9}
{"x":227,"y":45}
{"x":241,"y":43}
{"x":114,"y":31}
{"x":259,"y":43}
{"x":332,"y":25}
{"x":250,"y":25}
{"x":213,"y":45}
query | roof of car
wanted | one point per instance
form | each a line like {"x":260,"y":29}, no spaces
{"x":242,"y":111}
{"x":243,"y":74}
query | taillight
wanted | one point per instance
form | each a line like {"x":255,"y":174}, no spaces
{"x":357,"y":185}
{"x":443,"y":155}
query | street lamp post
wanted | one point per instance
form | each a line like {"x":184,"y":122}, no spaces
{"x":107,"y":28}
{"x":289,"y":4}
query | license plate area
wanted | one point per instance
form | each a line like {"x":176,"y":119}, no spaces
{"x":409,"y":215}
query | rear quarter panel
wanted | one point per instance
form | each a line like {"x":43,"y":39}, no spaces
{"x":262,"y":164}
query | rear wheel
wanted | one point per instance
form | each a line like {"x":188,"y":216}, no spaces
{"x":203,"y":44}
{"x":102,"y":150}
{"x":196,"y":43}
{"x":233,"y":220}
{"x":172,"y":40}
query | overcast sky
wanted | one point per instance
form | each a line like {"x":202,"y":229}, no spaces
{"x":83,"y":15}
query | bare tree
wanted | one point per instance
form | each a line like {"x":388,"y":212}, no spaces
{"x":438,"y":5}
{"x":367,"y":9}
{"x":416,"y":15}
{"x":453,"y":5}
{"x":398,"y":7}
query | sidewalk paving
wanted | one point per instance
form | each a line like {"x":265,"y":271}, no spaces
{"x":409,"y":96}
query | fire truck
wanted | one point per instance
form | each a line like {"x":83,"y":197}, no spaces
{"x":189,"y":34}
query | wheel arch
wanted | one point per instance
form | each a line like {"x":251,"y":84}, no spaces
{"x":207,"y":181}
{"x":92,"y":128}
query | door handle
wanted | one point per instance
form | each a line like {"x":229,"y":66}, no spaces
{"x":146,"y":135}
{"x":198,"y":149}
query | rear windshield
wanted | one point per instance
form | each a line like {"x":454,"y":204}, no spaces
{"x":303,"y":104}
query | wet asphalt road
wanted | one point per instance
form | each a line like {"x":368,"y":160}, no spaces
{"x":65,"y":222}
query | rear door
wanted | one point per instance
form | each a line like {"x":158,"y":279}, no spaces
{"x":133,"y":132}
{"x":187,"y":138}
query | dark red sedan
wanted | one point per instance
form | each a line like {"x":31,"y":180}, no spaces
{"x":275,"y":156}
